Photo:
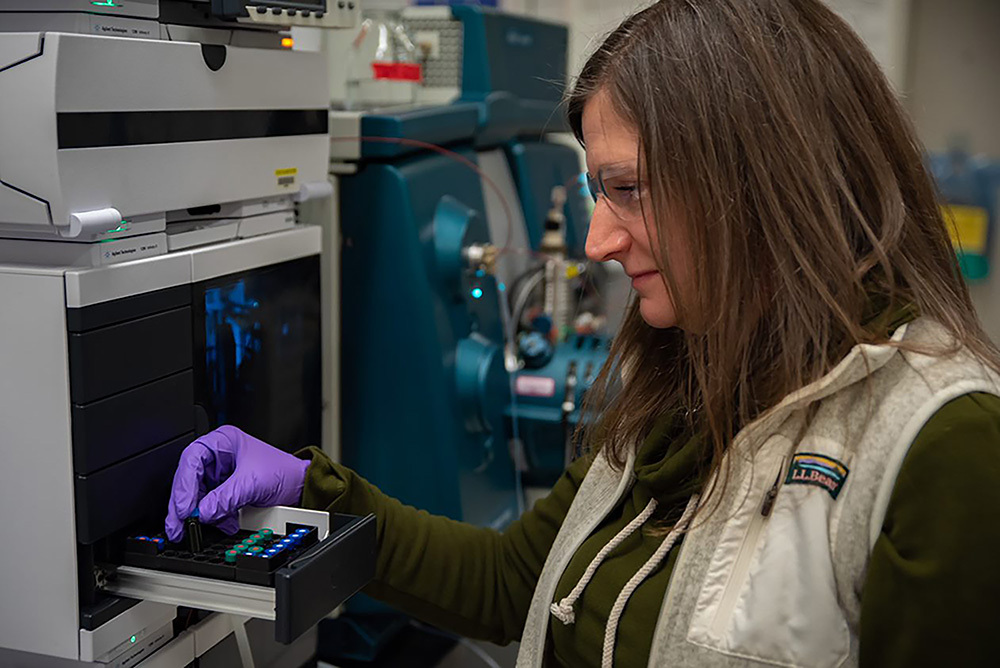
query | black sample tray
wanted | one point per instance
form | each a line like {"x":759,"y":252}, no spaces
{"x":251,"y":557}
{"x":305,"y":586}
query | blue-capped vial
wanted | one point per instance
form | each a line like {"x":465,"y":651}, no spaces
{"x":301,"y":532}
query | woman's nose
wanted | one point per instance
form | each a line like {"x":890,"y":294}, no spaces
{"x":607,"y":237}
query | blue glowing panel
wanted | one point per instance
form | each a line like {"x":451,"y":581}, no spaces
{"x":258,"y":353}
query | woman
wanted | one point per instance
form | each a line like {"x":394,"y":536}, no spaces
{"x":794,"y":451}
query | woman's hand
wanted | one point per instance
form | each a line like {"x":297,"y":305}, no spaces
{"x":225,"y":470}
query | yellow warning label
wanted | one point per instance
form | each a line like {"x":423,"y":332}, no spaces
{"x":967,"y":226}
{"x":286,"y":177}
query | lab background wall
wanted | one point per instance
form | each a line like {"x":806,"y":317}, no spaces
{"x":953,"y":93}
{"x":953,"y":77}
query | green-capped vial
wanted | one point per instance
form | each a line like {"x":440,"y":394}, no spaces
{"x":231,"y":556}
{"x":256,"y":549}
{"x":268,"y":534}
{"x":256,"y":538}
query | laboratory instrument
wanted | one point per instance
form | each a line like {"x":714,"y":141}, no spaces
{"x":157,"y":282}
{"x":443,"y":207}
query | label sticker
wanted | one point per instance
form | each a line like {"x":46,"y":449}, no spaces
{"x":818,"y":470}
{"x":535,"y":386}
{"x":286,"y":177}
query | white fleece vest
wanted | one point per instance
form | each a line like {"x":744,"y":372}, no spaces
{"x":783,"y":589}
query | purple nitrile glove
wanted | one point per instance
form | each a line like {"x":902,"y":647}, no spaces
{"x":225,"y":470}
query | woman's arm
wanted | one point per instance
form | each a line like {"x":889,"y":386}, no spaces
{"x":932,"y":593}
{"x":470,"y":580}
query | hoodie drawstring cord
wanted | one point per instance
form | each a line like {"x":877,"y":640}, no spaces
{"x":563,"y":610}
{"x":611,"y":630}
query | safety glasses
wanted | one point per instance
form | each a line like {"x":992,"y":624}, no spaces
{"x":621,"y":189}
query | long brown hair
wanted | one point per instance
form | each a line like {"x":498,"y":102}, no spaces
{"x":769,"y":126}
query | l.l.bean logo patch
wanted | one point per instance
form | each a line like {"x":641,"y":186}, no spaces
{"x":818,"y":470}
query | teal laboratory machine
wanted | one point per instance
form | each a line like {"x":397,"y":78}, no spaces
{"x":443,"y":209}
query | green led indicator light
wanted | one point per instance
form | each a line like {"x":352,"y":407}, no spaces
{"x":132,"y":639}
{"x":105,"y":3}
{"x":121,"y":228}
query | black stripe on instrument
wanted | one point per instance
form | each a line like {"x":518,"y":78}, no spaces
{"x":137,"y":128}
